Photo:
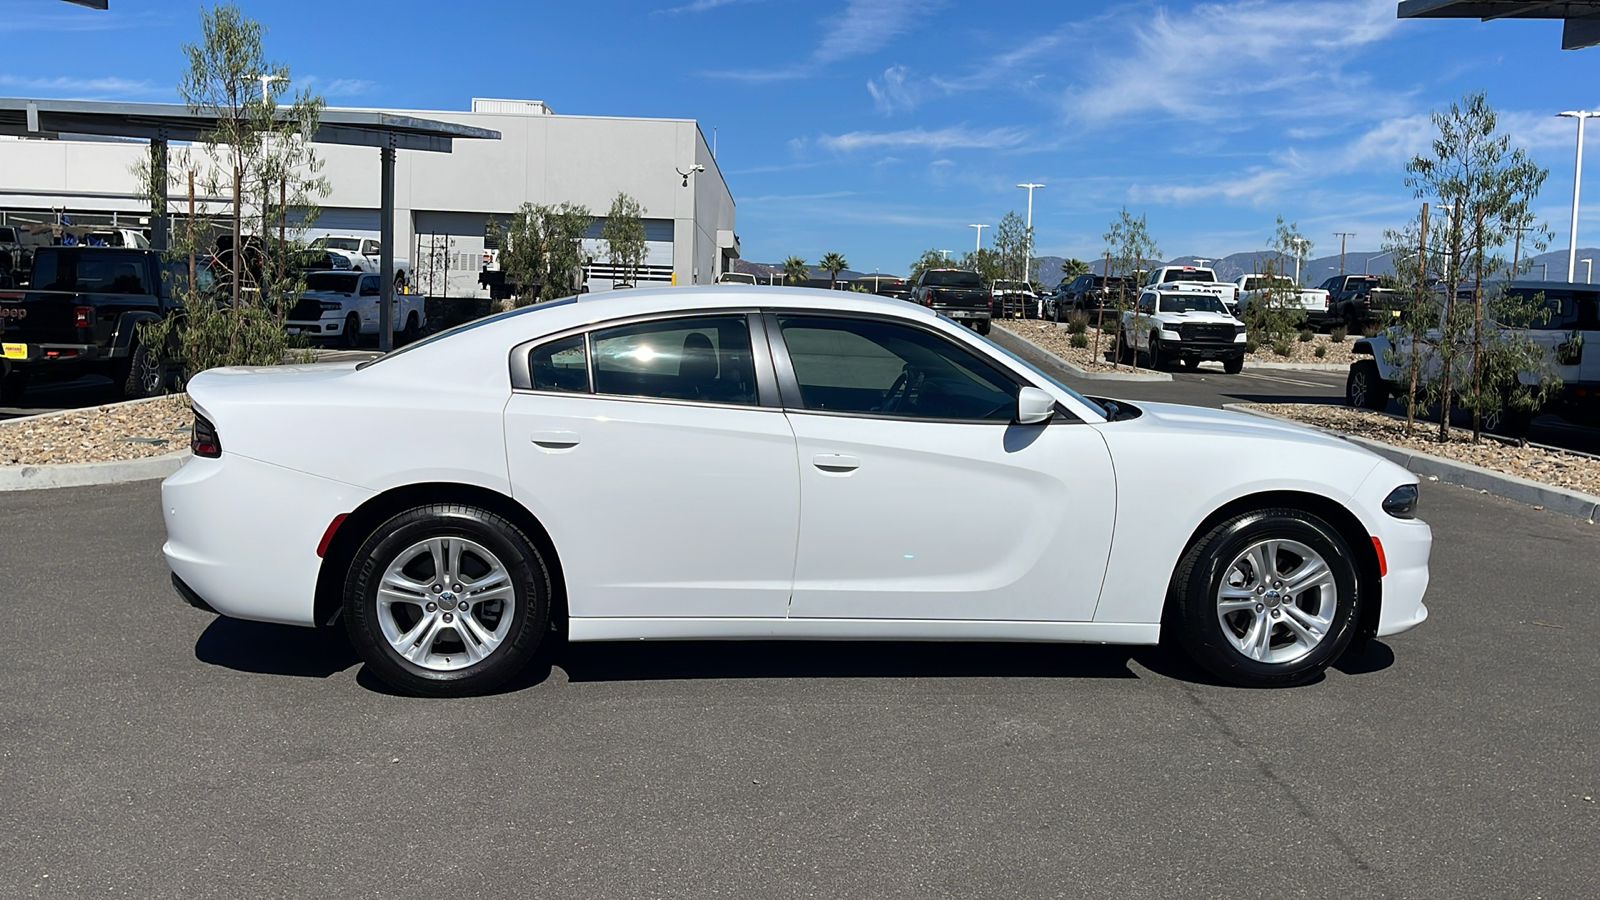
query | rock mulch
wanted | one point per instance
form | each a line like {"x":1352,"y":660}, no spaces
{"x":114,"y":432}
{"x":1054,"y":337}
{"x":1547,"y":466}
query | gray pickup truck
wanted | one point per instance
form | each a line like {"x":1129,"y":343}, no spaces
{"x":957,"y":293}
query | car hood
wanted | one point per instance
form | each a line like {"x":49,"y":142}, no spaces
{"x":1197,"y":316}
{"x":327,"y":295}
{"x":1181,"y":421}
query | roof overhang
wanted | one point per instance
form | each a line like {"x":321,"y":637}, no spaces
{"x":176,"y":122}
{"x":1581,"y":18}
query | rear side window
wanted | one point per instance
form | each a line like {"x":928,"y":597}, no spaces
{"x":701,"y":358}
{"x":561,"y":366}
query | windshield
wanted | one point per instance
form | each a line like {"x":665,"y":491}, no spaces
{"x":945,"y":278}
{"x":468,"y":326}
{"x":1093,"y":406}
{"x":1191,"y":275}
{"x":334,"y":282}
{"x":1177,"y":303}
{"x":333,"y":243}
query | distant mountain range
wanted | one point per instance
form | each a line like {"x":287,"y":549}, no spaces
{"x":1551,"y":266}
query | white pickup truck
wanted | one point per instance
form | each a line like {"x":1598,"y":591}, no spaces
{"x":1181,"y":322}
{"x":363,"y":254}
{"x":1568,"y":334}
{"x":1197,"y":278}
{"x":343,"y":306}
{"x":1312,"y":303}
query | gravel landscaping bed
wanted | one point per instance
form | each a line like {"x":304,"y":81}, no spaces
{"x":1547,"y":466}
{"x":114,"y":432}
{"x":1054,"y":338}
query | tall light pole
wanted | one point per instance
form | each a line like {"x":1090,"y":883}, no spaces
{"x":978,"y":244}
{"x":1027,"y":257}
{"x":1577,"y":182}
{"x":1368,"y":262}
{"x":1299,"y":244}
{"x":946,"y":255}
{"x":1588,"y":270}
{"x":266,"y":80}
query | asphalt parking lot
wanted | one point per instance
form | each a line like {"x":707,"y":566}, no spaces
{"x":151,"y":750}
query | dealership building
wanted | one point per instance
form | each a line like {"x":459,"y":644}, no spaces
{"x":446,"y":203}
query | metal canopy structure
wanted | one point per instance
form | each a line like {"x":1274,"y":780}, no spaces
{"x":1581,"y":18}
{"x":159,"y":123}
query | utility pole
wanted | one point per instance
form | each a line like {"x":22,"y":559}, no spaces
{"x":1342,"y":235}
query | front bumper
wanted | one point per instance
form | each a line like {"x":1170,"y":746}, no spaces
{"x":1202,"y":349}
{"x":1407,"y":544}
{"x":325,"y":326}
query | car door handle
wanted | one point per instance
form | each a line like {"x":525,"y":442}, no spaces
{"x":836,"y":462}
{"x":556,"y":440}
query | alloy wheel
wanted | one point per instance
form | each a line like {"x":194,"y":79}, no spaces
{"x":1277,"y":601}
{"x":446,"y":603}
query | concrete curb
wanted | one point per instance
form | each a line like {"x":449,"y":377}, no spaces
{"x":1080,"y":372}
{"x":1556,"y":499}
{"x":19,"y":420}
{"x":38,"y":478}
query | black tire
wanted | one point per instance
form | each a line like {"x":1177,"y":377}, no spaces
{"x":1055,"y":311}
{"x":1125,"y":351}
{"x":412,"y":331}
{"x":144,"y":375}
{"x":982,"y":326}
{"x":1509,"y":421}
{"x":351,"y":338}
{"x":530,"y":581}
{"x":1157,"y":360}
{"x":1364,"y":387}
{"x":1200,"y":576}
{"x":12,"y":387}
{"x":1191,"y":363}
{"x":1233,"y":365}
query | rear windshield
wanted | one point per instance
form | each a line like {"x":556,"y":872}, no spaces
{"x":944,"y":278}
{"x":336,"y":282}
{"x":1191,"y":303}
{"x":90,"y":272}
{"x":1010,"y":286}
{"x":1192,"y":275}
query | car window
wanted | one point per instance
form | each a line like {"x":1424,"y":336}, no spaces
{"x":369,"y":286}
{"x":369,"y":248}
{"x":335,"y":282}
{"x":110,"y":274}
{"x":561,"y":365}
{"x":1147,"y":303}
{"x":704,"y":358}
{"x":952,"y":278}
{"x":872,"y":366}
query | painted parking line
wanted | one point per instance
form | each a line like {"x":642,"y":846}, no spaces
{"x":1279,"y":379}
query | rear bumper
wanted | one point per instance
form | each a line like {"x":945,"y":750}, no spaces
{"x":36,"y":355}
{"x":243,"y":535}
{"x":964,"y":315}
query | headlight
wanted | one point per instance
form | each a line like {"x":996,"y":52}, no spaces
{"x":1239,"y":329}
{"x":330,"y":306}
{"x":1402,"y":502}
{"x":1167,"y":335}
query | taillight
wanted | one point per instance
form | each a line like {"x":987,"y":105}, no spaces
{"x":205,"y":441}
{"x":83,"y":316}
{"x":991,"y":303}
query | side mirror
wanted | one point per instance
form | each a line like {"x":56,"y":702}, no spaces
{"x":1034,"y":406}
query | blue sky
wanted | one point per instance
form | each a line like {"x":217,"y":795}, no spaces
{"x":880,"y":128}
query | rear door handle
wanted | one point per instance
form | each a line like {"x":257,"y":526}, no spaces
{"x":836,"y":462}
{"x":556,"y":440}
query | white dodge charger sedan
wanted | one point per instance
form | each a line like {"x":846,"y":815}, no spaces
{"x":748,"y":463}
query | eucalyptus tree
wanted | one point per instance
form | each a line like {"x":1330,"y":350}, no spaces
{"x":624,"y":236}
{"x":542,"y":250}
{"x":1129,"y":247}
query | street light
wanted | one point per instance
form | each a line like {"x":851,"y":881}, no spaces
{"x":1577,"y":182}
{"x":978,"y":244}
{"x":266,"y":80}
{"x":1368,"y":261}
{"x":1299,"y":242}
{"x":1027,"y":258}
{"x":1588,"y":265}
{"x":946,"y":255}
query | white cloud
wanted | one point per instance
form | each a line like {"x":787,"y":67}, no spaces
{"x":349,"y":87}
{"x":698,"y":6}
{"x":82,"y":88}
{"x":893,"y":94}
{"x":953,"y":137}
{"x":861,"y":28}
{"x":1249,"y":58}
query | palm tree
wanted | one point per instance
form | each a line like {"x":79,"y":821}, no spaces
{"x":795,"y":270}
{"x":833,"y":262}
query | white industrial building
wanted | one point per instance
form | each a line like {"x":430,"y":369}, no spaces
{"x":444,"y":202}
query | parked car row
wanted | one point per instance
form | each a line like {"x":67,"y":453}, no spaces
{"x":83,"y":307}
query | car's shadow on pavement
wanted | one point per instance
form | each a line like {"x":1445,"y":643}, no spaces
{"x":320,"y":653}
{"x":275,"y":649}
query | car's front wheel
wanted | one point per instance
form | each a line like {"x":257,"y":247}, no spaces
{"x":447,"y":599}
{"x":1267,"y":598}
{"x":351,"y":338}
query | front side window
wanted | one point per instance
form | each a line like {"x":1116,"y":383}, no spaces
{"x":369,"y":287}
{"x":886,"y":368}
{"x":702,"y":358}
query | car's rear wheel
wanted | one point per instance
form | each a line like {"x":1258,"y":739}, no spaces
{"x":1267,"y":598}
{"x":1125,"y":349}
{"x":447,"y":599}
{"x":982,"y":326}
{"x":12,"y":387}
{"x":145,"y":375}
{"x":412,"y":331}
{"x":1364,"y":387}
